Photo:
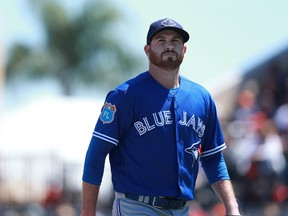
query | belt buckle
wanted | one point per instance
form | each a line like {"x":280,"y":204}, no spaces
{"x":154,"y":200}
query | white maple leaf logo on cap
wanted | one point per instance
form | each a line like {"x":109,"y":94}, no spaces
{"x":168,"y":22}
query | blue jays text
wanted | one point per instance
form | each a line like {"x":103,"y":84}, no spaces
{"x":164,"y":118}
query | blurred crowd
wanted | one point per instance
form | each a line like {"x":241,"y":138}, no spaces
{"x":257,"y":135}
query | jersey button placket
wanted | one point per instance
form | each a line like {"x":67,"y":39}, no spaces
{"x":178,"y":144}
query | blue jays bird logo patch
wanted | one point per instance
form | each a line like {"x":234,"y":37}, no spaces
{"x":195,"y":151}
{"x":107,"y":114}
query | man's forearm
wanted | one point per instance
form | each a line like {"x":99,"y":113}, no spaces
{"x":225,"y":192}
{"x":89,"y":199}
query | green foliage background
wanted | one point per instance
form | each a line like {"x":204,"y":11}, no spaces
{"x":79,"y":49}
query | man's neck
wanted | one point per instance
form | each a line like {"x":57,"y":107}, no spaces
{"x":167,"y":78}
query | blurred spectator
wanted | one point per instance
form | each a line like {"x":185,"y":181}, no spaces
{"x":281,"y":118}
{"x":65,"y":209}
{"x":196,"y":209}
{"x":246,"y":105}
{"x":11,"y":213}
{"x":269,"y":151}
{"x":218,"y":210}
{"x":53,"y":196}
{"x":272,"y":209}
{"x":53,"y":199}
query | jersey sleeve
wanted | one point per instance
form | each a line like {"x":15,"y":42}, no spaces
{"x":212,"y":159}
{"x":215,"y":168}
{"x":109,"y":129}
{"x":214,"y":139}
{"x":113,"y":119}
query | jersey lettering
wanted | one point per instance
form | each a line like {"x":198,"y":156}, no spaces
{"x":158,"y":122}
{"x":140,"y":128}
{"x":167,"y":117}
{"x":199,"y":128}
{"x":159,"y":119}
{"x":148,"y":126}
{"x":164,"y":118}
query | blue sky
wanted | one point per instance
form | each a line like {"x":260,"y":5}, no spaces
{"x":225,"y":35}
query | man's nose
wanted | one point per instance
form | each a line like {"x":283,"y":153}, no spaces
{"x":170,"y":47}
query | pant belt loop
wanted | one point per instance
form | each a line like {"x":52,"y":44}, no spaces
{"x":141,"y":198}
{"x":146,"y":199}
{"x":119,"y":195}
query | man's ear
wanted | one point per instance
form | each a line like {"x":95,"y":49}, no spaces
{"x":184,"y":49}
{"x":147,"y":49}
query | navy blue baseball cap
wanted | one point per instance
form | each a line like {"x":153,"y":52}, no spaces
{"x":166,"y":24}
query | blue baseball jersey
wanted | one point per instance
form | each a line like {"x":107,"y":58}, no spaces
{"x":155,"y":137}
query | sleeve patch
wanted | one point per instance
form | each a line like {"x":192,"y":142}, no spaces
{"x":108,"y":112}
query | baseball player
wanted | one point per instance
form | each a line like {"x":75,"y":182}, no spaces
{"x":156,"y":128}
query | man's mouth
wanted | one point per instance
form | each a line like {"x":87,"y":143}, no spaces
{"x":169,"y":54}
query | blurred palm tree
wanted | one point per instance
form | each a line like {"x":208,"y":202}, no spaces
{"x":79,"y":48}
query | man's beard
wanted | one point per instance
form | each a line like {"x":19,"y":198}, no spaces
{"x":169,"y":63}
